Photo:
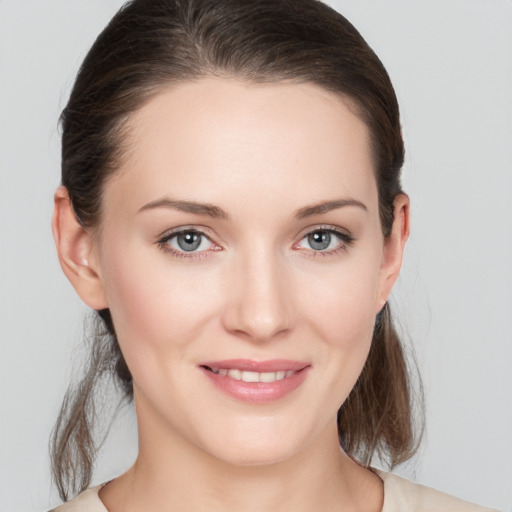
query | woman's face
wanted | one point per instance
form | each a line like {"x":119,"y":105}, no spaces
{"x":242,"y":258}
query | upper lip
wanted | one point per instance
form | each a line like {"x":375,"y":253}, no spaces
{"x":249,"y":365}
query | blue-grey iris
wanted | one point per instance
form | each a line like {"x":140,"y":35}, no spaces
{"x":319,"y":240}
{"x":189,"y":241}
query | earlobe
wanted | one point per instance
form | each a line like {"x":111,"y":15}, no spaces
{"x":394,"y":246}
{"x":76,"y":251}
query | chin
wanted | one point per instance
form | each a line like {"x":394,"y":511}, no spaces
{"x":255,"y":458}
{"x":257,"y":449}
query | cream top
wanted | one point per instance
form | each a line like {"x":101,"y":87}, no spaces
{"x":400,"y":495}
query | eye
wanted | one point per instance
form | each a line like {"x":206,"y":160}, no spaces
{"x":186,"y":241}
{"x":325,"y":240}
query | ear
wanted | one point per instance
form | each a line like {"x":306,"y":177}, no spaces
{"x":394,"y":249}
{"x":77,"y":252}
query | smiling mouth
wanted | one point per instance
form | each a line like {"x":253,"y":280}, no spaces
{"x":256,"y":382}
{"x":249,"y":376}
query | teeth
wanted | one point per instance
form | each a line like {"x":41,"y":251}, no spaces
{"x":268,"y":377}
{"x":250,"y":376}
{"x":254,"y":376}
{"x":235,"y":374}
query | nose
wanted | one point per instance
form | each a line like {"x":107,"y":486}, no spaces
{"x":259,"y":297}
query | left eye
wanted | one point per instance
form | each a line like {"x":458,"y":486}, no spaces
{"x":321,"y":240}
{"x":189,"y":241}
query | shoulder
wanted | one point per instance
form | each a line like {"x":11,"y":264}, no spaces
{"x":401,"y":495}
{"x":87,"y":501}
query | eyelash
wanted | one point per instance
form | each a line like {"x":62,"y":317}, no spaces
{"x":346,"y":240}
{"x":163,"y":244}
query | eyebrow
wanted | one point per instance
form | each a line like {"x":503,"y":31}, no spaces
{"x":188,"y":206}
{"x":218,"y":213}
{"x":327,"y":206}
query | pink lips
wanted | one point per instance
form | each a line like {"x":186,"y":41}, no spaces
{"x":256,"y":392}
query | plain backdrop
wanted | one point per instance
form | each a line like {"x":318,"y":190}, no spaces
{"x":451,"y":64}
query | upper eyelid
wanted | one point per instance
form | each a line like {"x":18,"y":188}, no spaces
{"x":208,"y":233}
{"x":344,"y":237}
{"x":324,"y":227}
{"x":203,"y":230}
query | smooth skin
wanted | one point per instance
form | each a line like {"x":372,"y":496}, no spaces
{"x":255,"y":286}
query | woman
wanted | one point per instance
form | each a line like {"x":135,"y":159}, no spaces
{"x":231,"y":207}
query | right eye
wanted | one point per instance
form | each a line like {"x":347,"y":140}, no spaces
{"x":188,"y":241}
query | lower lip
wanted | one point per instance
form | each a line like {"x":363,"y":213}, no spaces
{"x":257,"y":392}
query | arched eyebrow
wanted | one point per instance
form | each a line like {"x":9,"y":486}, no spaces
{"x":327,"y":206}
{"x":188,"y":206}
{"x":218,"y":213}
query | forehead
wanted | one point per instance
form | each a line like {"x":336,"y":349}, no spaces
{"x":218,"y":139}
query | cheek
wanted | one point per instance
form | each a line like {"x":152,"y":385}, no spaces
{"x":155,"y":306}
{"x":346,"y":325}
{"x":342,"y":304}
{"x":341,"y":312}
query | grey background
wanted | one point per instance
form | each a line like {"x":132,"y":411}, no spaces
{"x":451,"y":64}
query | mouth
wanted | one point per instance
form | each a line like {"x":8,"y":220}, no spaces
{"x":256,"y":381}
{"x":249,"y":376}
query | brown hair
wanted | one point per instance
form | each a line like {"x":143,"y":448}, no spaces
{"x":150,"y":44}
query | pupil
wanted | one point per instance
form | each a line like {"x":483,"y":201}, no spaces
{"x":319,"y":240}
{"x":189,"y":241}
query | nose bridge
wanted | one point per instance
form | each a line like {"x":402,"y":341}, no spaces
{"x":259,"y":298}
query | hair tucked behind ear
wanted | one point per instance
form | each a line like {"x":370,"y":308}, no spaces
{"x":152,"y":44}
{"x":74,"y":443}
